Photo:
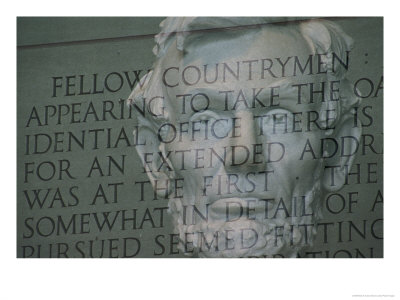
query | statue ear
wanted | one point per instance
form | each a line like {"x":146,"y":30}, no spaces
{"x":340,"y":155}
{"x":325,"y":37}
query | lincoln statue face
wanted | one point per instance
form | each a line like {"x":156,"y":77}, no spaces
{"x":247,"y":127}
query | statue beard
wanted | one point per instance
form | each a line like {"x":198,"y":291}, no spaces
{"x":272,"y":237}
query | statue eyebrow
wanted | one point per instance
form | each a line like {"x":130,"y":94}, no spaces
{"x":286,"y":89}
{"x":231,"y":98}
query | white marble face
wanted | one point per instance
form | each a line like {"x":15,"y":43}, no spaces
{"x":249,"y":188}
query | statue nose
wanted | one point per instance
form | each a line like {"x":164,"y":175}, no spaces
{"x":241,"y":145}
{"x":247,"y":132}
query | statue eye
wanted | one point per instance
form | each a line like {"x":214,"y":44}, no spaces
{"x":277,"y":121}
{"x":215,"y":124}
{"x":204,"y":116}
{"x":279,"y":118}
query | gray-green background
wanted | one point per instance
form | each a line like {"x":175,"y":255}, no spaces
{"x":49,"y":47}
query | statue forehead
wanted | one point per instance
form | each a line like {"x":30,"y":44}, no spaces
{"x":255,"y":44}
